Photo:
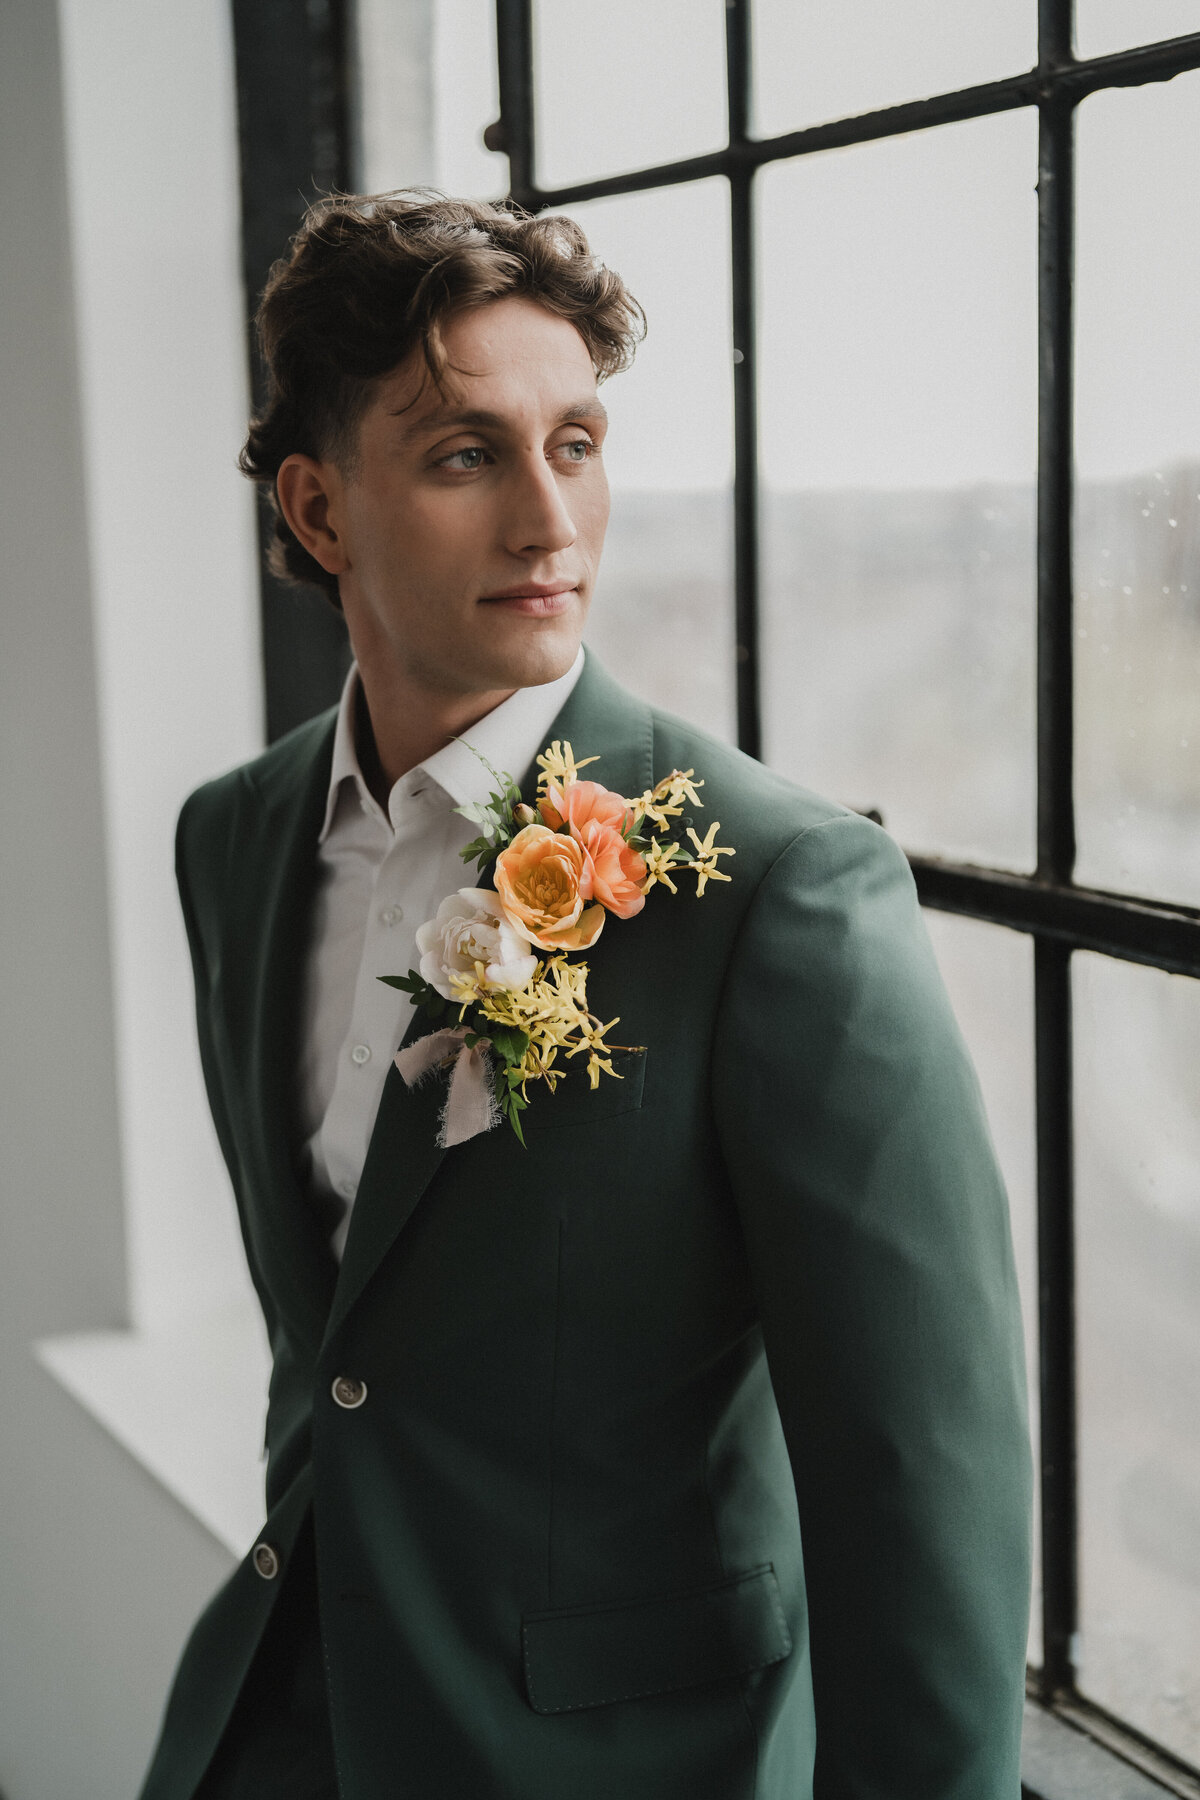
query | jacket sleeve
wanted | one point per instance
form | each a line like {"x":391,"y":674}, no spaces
{"x":187,"y":832}
{"x":203,"y":840}
{"x":878,"y":1237}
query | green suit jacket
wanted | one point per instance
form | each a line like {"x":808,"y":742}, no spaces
{"x":693,"y":1460}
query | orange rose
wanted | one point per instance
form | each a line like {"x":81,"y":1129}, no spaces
{"x":579,"y":803}
{"x":612,"y":872}
{"x":539,"y":883}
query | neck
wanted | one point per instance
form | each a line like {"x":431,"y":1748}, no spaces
{"x":399,"y":724}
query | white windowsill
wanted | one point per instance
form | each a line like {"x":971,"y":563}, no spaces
{"x":1059,"y":1762}
{"x":188,"y":1402}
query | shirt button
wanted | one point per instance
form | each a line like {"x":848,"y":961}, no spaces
{"x":349,"y":1391}
{"x":347,"y":1189}
{"x":266,"y":1561}
{"x":392,"y":915}
{"x":360,"y":1054}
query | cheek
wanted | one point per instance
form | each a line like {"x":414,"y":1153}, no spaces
{"x":423,"y":539}
{"x":592,"y":509}
{"x":376,"y":519}
{"x":451,"y":521}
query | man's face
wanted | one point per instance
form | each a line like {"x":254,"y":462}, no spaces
{"x":472,"y":523}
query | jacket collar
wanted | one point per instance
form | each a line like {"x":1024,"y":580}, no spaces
{"x":508,"y":738}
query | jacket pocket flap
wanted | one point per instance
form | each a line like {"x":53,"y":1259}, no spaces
{"x":575,"y":1102}
{"x":594,"y":1655}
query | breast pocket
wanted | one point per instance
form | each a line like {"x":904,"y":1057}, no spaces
{"x":575,"y":1102}
{"x":595,"y":1655}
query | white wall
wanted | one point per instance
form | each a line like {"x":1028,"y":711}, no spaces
{"x":152,"y":180}
{"x":128,"y":670}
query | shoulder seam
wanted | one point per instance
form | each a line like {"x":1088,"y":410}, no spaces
{"x":807,"y":831}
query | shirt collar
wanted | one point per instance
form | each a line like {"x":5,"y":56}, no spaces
{"x":510,"y":736}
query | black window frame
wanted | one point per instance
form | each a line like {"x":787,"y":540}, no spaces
{"x":296,"y":112}
{"x":1060,"y":916}
{"x":296,"y":118}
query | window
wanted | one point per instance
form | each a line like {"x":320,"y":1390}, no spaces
{"x":930,"y":613}
{"x":929,"y":502}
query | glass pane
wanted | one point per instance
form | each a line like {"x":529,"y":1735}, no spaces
{"x":662,"y":620}
{"x":989,"y":974}
{"x":898,"y":400}
{"x":1138,"y":510}
{"x":1102,"y":26}
{"x":813,"y":63}
{"x":1138,"y":1224}
{"x":466,"y":99}
{"x":622,"y":85}
{"x":427,"y":88}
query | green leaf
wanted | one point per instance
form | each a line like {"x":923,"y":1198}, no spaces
{"x":510,"y":1042}
{"x":514,"y":1118}
{"x":479,"y":812}
{"x":412,"y":983}
{"x":481,"y":850}
{"x":495,"y":812}
{"x":501,"y":777}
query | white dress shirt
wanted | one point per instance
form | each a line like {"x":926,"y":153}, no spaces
{"x":381,"y":875}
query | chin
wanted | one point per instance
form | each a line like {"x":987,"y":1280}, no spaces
{"x":539,"y":658}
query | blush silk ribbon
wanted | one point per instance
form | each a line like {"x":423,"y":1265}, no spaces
{"x":470,"y":1102}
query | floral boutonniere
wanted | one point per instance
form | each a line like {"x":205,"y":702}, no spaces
{"x":500,"y":957}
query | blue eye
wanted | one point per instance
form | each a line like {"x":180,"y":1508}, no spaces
{"x":583,"y":444}
{"x":472,"y":450}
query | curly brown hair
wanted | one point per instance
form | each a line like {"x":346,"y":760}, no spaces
{"x":369,"y":278}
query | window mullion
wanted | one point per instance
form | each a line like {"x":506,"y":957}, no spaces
{"x":1056,"y":855}
{"x":514,"y":55}
{"x":1056,"y":1315}
{"x":1055,"y":707}
{"x":745,"y":409}
{"x":295,"y":141}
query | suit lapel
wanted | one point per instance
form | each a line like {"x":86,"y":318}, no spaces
{"x":601,"y":719}
{"x":598,"y":718}
{"x":266,"y":951}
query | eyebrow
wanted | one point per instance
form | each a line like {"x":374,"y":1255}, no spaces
{"x":445,"y":418}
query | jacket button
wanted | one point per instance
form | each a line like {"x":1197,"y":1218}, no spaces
{"x":266,"y":1561}
{"x":349,"y":1391}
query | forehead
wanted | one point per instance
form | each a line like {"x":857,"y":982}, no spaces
{"x":509,"y":356}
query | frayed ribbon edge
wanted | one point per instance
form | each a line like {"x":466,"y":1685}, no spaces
{"x":470,"y":1106}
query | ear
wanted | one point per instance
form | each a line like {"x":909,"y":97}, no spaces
{"x":308,"y":492}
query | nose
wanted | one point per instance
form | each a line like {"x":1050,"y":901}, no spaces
{"x":537,"y":518}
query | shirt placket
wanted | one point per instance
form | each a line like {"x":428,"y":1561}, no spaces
{"x":402,"y":897}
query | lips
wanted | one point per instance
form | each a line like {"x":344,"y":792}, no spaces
{"x":534,"y":590}
{"x":536,"y":601}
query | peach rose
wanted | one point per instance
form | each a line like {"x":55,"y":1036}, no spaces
{"x":612,"y":872}
{"x":538,"y":880}
{"x":579,"y":803}
{"x":596,"y":816}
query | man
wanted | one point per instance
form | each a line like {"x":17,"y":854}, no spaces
{"x":680,"y":1452}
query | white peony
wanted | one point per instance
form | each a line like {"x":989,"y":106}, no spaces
{"x":470,"y":928}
